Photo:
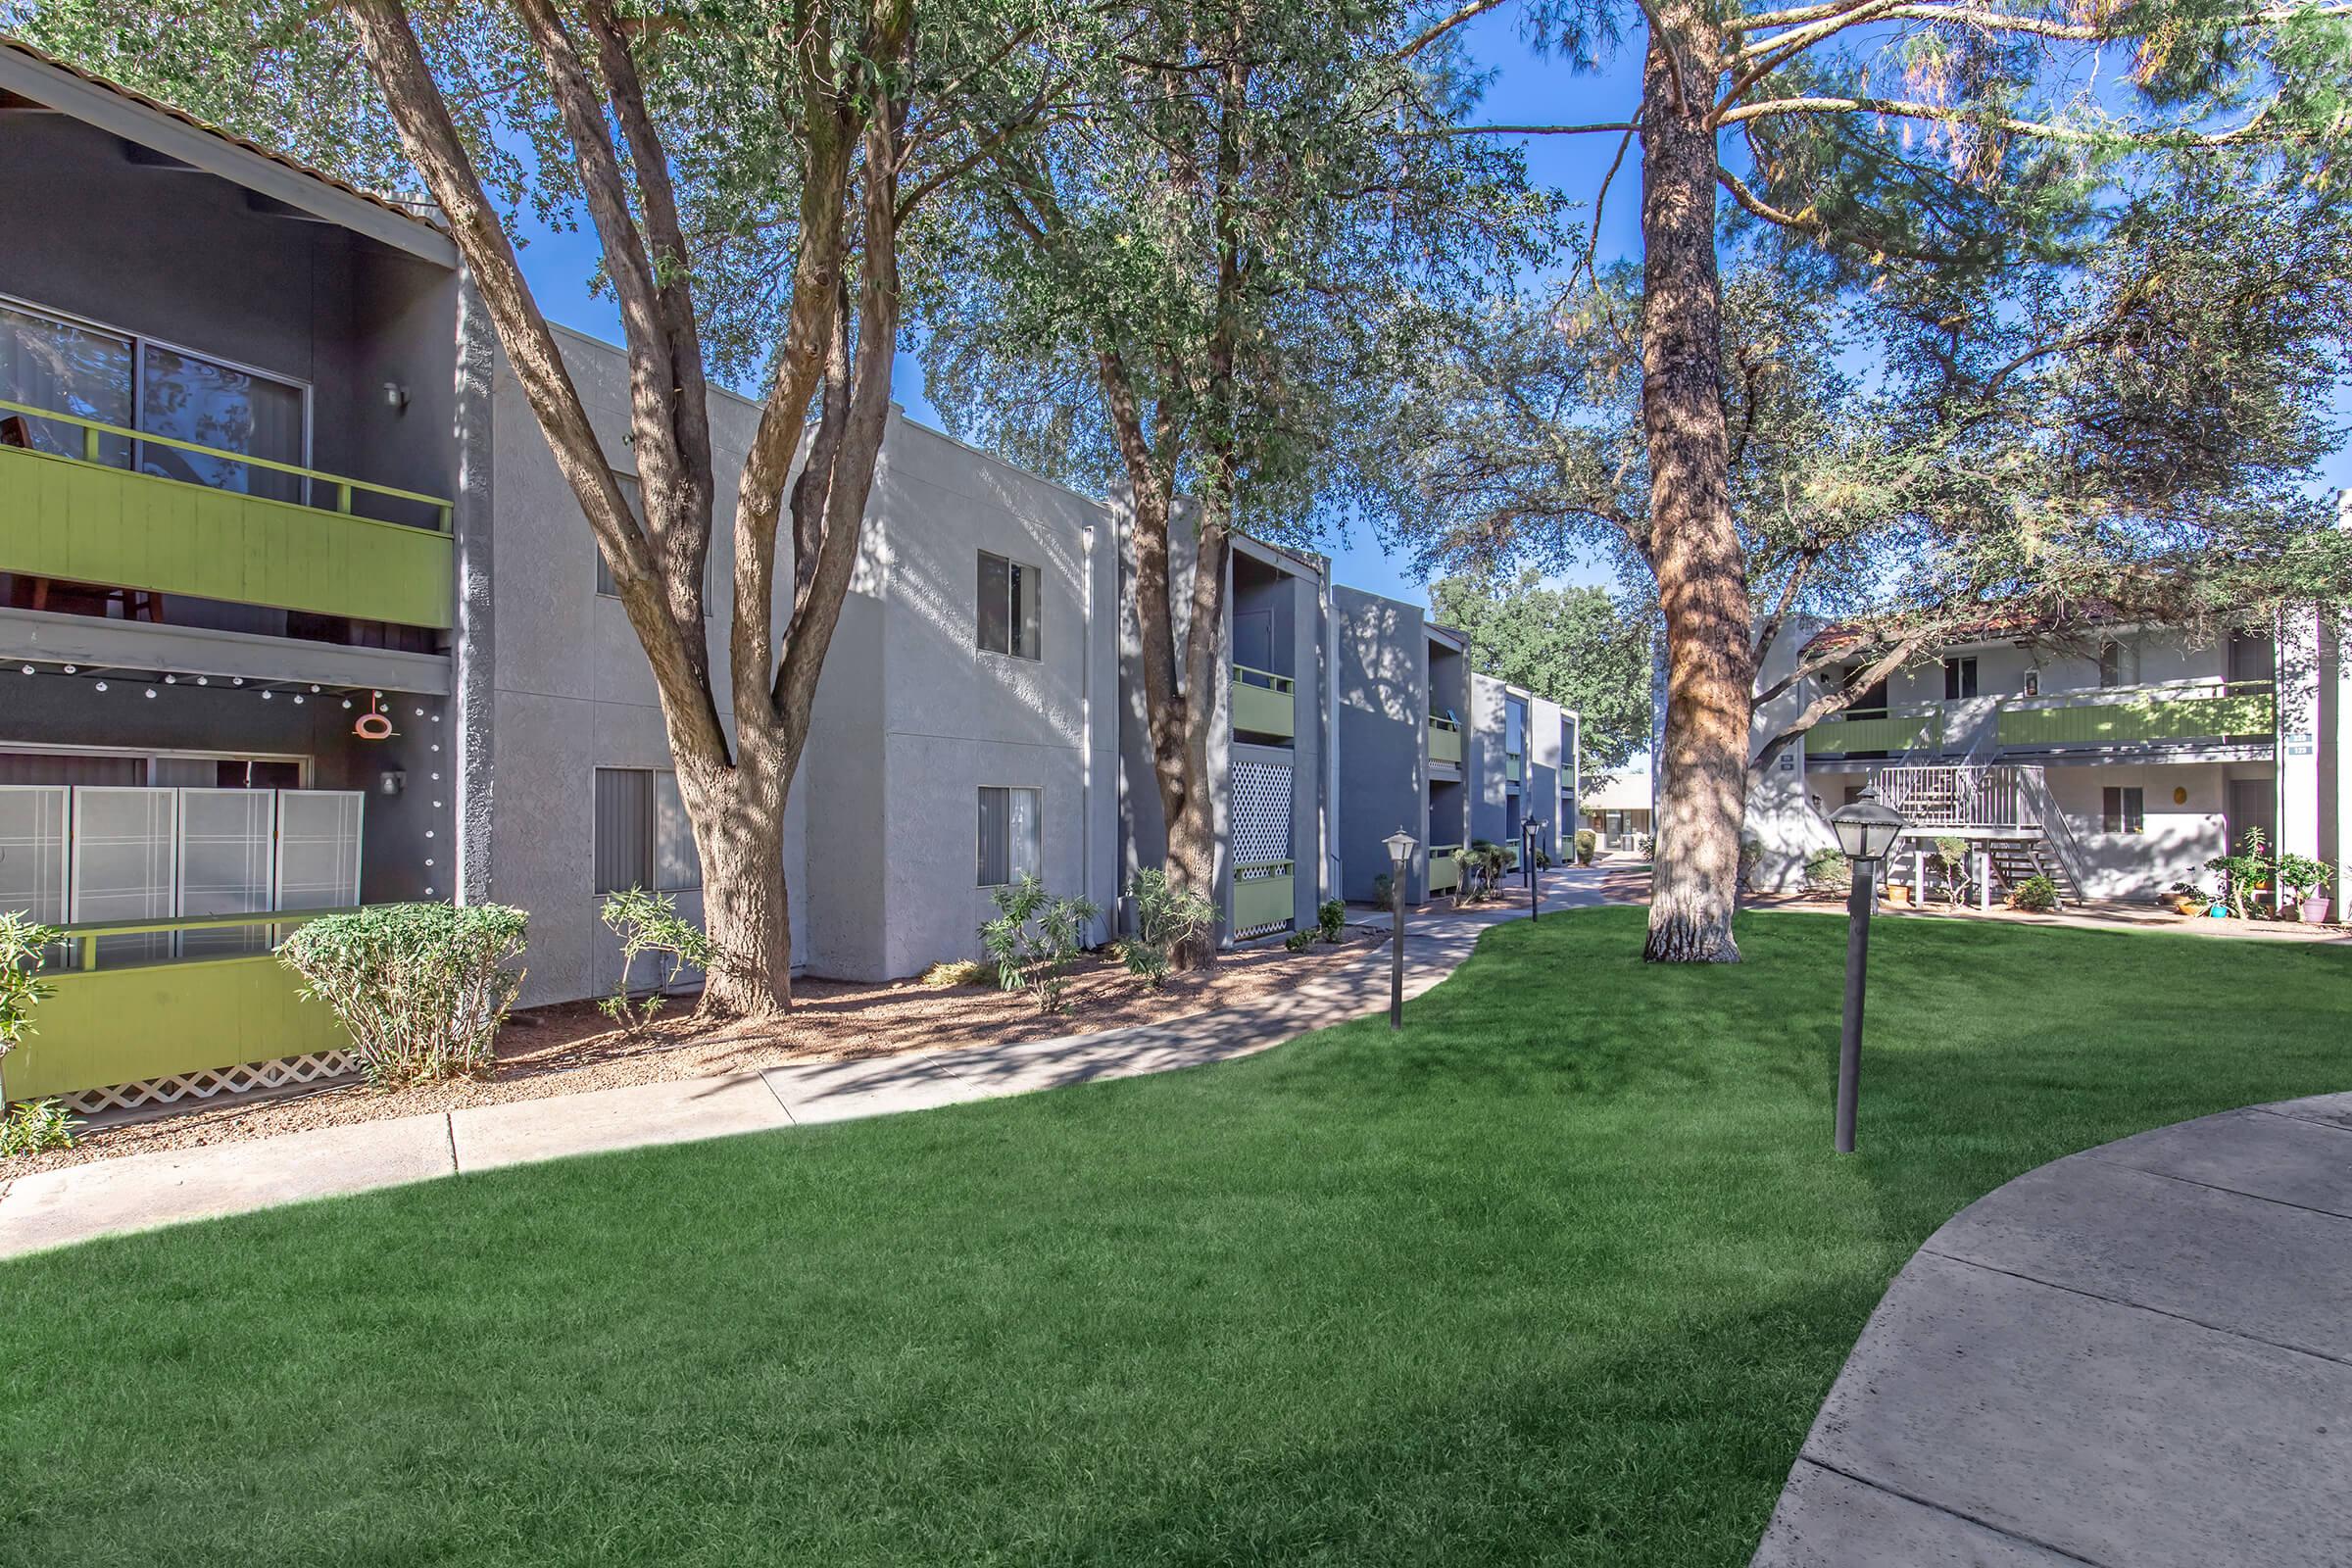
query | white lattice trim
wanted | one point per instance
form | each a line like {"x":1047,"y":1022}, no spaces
{"x":206,"y":1082}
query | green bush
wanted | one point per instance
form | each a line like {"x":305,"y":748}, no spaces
{"x":1165,"y":919}
{"x":32,"y":1125}
{"x":2036,"y":893}
{"x":649,"y":922}
{"x":420,"y":988}
{"x":23,"y":949}
{"x":1331,"y":920}
{"x":1298,"y":941}
{"x":2301,"y":876}
{"x":1384,"y":890}
{"x":1483,"y":863}
{"x":1587,"y":842}
{"x":1827,"y":870}
{"x":1034,"y":939}
{"x":2242,"y":872}
{"x":1751,"y":856}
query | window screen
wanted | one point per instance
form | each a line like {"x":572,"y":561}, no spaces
{"x":1959,"y":678}
{"x":1008,"y":835}
{"x":1008,"y":595}
{"x":2121,"y":809}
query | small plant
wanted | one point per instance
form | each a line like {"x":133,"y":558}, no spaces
{"x":2189,"y":892}
{"x":23,"y":947}
{"x":957,"y":973}
{"x":1165,"y":919}
{"x":32,"y":1125}
{"x":1751,"y":856}
{"x":1384,"y":890}
{"x":1331,"y":920}
{"x":1543,"y":859}
{"x":2300,"y":875}
{"x":1483,"y":863}
{"x":1952,"y":860}
{"x":1587,"y":842}
{"x":648,"y":922}
{"x":1827,"y":870}
{"x":1034,"y":939}
{"x":1298,"y":941}
{"x":2036,"y":894}
{"x":2243,"y":871}
{"x":420,"y":988}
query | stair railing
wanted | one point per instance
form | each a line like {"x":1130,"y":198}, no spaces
{"x":2034,"y":796}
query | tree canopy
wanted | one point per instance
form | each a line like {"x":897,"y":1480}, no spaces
{"x":1579,"y":647}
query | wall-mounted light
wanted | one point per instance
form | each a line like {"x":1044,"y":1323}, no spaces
{"x":396,"y":397}
{"x":391,"y":781}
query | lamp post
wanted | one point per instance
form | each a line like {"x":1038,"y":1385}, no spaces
{"x":1400,"y":860}
{"x":1866,"y":830}
{"x":1526,"y":857}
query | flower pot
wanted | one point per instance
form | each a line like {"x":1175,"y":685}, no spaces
{"x":2314,"y":909}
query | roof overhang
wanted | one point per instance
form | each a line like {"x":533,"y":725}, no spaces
{"x":114,"y":110}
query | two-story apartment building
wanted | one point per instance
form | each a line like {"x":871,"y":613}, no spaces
{"x":2116,"y":762}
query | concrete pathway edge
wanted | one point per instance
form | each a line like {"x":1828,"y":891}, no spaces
{"x":144,"y":1192}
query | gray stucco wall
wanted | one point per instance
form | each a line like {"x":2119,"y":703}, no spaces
{"x":1380,"y":697}
{"x":1483,"y":741}
{"x":1541,"y":793}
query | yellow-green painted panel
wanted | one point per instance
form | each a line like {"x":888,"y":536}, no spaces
{"x":1445,"y":745}
{"x":2148,"y":718}
{"x":1873,"y":734}
{"x":1263,"y":710}
{"x":85,"y":522}
{"x":1445,"y":872}
{"x":119,"y":1026}
{"x":1262,"y":901}
{"x":1513,"y":766}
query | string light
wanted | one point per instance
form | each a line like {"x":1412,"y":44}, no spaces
{"x":27,"y":669}
{"x":101,"y":684}
{"x":236,"y":680}
{"x":298,"y":699}
{"x":314,"y":688}
{"x":266,"y":694}
{"x":204,"y":680}
{"x":151,"y":694}
{"x":71,"y":669}
{"x":171,"y":680}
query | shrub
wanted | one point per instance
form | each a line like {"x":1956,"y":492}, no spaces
{"x":1165,"y":919}
{"x":1587,"y":842}
{"x":958,"y":972}
{"x":1952,"y":860}
{"x":2243,"y":871}
{"x":32,"y":1125}
{"x":1331,"y":920}
{"x":1384,"y":890}
{"x":2036,"y":893}
{"x":23,"y":949}
{"x":1827,"y":870}
{"x":1751,"y":856}
{"x":1298,"y":941}
{"x":420,"y":988}
{"x":2300,"y":875}
{"x":649,"y":922}
{"x":1483,"y":863}
{"x":1034,"y":939}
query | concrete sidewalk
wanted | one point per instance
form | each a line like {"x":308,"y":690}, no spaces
{"x":141,"y":1190}
{"x":2137,"y":1357}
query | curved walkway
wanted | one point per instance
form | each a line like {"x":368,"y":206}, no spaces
{"x":2136,"y":1356}
{"x":139,"y":1191}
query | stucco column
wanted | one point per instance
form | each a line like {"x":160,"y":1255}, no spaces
{"x":472,"y":645}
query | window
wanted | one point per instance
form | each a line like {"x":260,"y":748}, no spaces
{"x":1008,"y":834}
{"x":643,"y":839}
{"x":1959,"y":678}
{"x":2119,"y":664}
{"x":635,"y":498}
{"x":1008,"y":595}
{"x":1872,"y":702}
{"x":2121,"y":811}
{"x":117,"y":378}
{"x":2032,"y":683}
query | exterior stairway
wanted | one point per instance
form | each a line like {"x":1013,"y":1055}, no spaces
{"x":2016,"y":859}
{"x":2002,"y":808}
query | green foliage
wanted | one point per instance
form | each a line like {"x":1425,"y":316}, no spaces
{"x":649,"y":922}
{"x":1331,"y":920}
{"x":1588,"y":842}
{"x":1035,"y":938}
{"x":2241,"y":873}
{"x":1952,"y":859}
{"x":1384,"y":890}
{"x":1298,"y":941}
{"x":1751,"y":856}
{"x":2036,"y":893}
{"x":1483,"y":863}
{"x":32,"y":1125}
{"x":23,"y":949}
{"x":420,"y":988}
{"x":2301,"y":875}
{"x":1827,"y":870}
{"x":1165,"y":919}
{"x":1577,"y":646}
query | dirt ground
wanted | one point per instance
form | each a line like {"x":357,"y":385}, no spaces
{"x":572,"y":1048}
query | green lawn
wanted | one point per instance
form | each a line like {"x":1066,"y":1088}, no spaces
{"x":1560,"y":1275}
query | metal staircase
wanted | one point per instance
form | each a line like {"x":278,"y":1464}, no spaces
{"x":2004,"y":808}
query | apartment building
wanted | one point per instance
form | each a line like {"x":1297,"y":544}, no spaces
{"x":296,"y":612}
{"x":2114,"y":762}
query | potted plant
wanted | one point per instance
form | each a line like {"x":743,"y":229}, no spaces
{"x":2305,"y":882}
{"x":2240,"y":873}
{"x":2187,"y":898}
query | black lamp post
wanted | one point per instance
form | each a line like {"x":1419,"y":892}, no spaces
{"x":1866,"y":830}
{"x":1400,"y":860}
{"x":1527,"y":859}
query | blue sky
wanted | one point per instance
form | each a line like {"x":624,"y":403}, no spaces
{"x":1524,"y":89}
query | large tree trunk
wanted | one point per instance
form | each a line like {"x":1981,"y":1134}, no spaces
{"x":1702,"y":579}
{"x":738,"y":816}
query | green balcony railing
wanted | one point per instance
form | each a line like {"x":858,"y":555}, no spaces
{"x":79,"y":519}
{"x":1263,"y":702}
{"x":2246,"y":708}
{"x":1445,"y":872}
{"x":1444,"y":741}
{"x":1263,"y":895}
{"x":1514,"y":767}
{"x":1877,"y":732}
{"x":107,"y":1024}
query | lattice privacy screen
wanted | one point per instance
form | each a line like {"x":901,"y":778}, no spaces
{"x":1261,"y":813}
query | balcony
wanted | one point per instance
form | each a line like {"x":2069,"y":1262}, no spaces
{"x":112,"y":1024}
{"x":1263,"y":702}
{"x":1445,"y":872}
{"x":1875,"y":732}
{"x":2142,"y":715}
{"x":1515,"y":767}
{"x":1263,"y":897}
{"x":1444,"y":741}
{"x":81,"y":521}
